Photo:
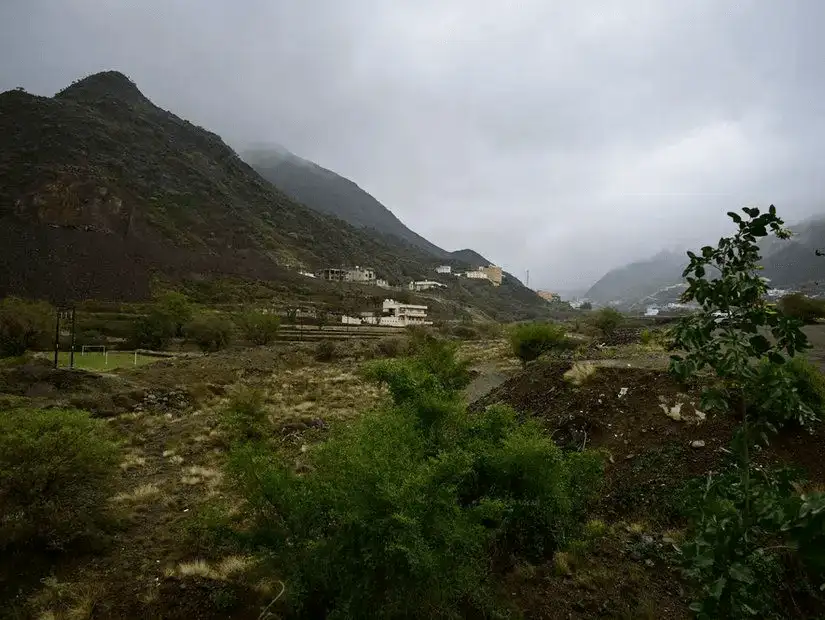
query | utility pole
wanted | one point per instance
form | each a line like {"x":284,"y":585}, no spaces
{"x":71,"y":354}
{"x":56,"y":336}
{"x":527,"y":279}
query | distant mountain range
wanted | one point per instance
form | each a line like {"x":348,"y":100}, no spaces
{"x":102,"y":192}
{"x":789,"y":264}
{"x":327,"y":192}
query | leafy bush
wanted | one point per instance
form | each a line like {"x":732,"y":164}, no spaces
{"x":244,"y":417}
{"x":402,"y":512}
{"x":465,"y":331}
{"x":390,"y":346}
{"x":326,"y":351}
{"x":586,"y":306}
{"x":24,"y":325}
{"x":789,"y":392}
{"x":259,"y":328}
{"x":607,"y":320}
{"x":531,"y":340}
{"x":210,"y":332}
{"x":801,"y":307}
{"x":177,"y":307}
{"x":56,"y":472}
{"x":746,"y":538}
{"x":153,"y":331}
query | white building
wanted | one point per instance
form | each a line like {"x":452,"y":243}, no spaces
{"x":307,"y":274}
{"x":444,"y":269}
{"x":398,"y":314}
{"x":382,"y":283}
{"x":425,"y":285}
{"x":476,"y":275}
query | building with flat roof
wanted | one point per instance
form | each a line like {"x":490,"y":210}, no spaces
{"x":425,"y":285}
{"x":444,"y":269}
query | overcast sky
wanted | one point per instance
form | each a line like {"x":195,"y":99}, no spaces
{"x":557,"y":136}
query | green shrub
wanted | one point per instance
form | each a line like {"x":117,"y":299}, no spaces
{"x":177,"y":308}
{"x":530,"y":340}
{"x":210,"y":332}
{"x":790,"y":392}
{"x":24,"y":325}
{"x":466,"y":332}
{"x":586,"y":306}
{"x":259,"y":328}
{"x":244,"y":417}
{"x":390,"y":346}
{"x":326,"y":351}
{"x":607,"y":320}
{"x":56,"y":473}
{"x":153,"y":331}
{"x":747,"y":542}
{"x":799,"y":306}
{"x":402,"y":512}
{"x":647,"y":337}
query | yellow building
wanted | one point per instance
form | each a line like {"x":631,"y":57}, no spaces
{"x":493,"y":273}
{"x":549,"y":295}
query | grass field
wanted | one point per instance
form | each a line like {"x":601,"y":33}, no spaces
{"x":96,"y":360}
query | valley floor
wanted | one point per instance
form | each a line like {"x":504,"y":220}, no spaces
{"x":160,"y":559}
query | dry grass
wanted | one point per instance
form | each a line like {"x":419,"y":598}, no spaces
{"x":143,"y":493}
{"x":230,"y":566}
{"x":132,"y":460}
{"x":67,"y":600}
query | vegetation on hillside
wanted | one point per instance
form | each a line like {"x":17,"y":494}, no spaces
{"x":24,"y":325}
{"x":530,"y":340}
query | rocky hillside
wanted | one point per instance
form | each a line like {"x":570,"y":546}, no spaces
{"x":638,"y":280}
{"x":328,"y":192}
{"x":101,"y":192}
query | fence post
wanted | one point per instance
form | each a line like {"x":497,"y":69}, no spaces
{"x":71,"y":354}
{"x":56,"y":336}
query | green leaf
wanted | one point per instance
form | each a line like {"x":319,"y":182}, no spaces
{"x":740,"y":572}
{"x":735,"y":217}
{"x":760,"y":343}
{"x":718,"y":588}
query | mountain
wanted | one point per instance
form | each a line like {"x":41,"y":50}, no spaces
{"x":102,"y":194}
{"x":328,"y":192}
{"x":469,"y":257}
{"x":632,"y":282}
{"x":788,"y":264}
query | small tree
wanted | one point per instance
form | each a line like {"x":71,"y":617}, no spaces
{"x":801,"y":307}
{"x":257,"y":327}
{"x":727,"y":335}
{"x":177,"y":307}
{"x":154,"y":331}
{"x":24,"y":325}
{"x":607,"y":320}
{"x":586,"y":306}
{"x":210,"y":332}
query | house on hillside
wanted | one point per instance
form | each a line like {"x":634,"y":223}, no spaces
{"x":332,"y":275}
{"x":444,"y":269}
{"x":393,"y":314}
{"x":477,"y":274}
{"x":363,"y":275}
{"x":549,"y":296}
{"x":494,"y":274}
{"x":425,"y":285}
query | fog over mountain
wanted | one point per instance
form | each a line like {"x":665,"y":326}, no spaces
{"x":564,"y":138}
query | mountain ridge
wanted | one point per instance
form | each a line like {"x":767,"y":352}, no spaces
{"x":102,"y":193}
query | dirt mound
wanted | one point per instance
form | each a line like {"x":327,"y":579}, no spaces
{"x":649,"y":425}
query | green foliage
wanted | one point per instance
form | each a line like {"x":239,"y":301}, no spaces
{"x":789,"y":392}
{"x":799,"y":306}
{"x":244,"y":417}
{"x":24,"y":325}
{"x":177,"y":307}
{"x":390,"y":346}
{"x":729,"y":332}
{"x":607,"y":320}
{"x":530,"y":340}
{"x":403,"y":511}
{"x":586,"y":306}
{"x":56,"y":472}
{"x":745,"y":537}
{"x":259,"y":328}
{"x":153,"y":331}
{"x":647,"y":337}
{"x":211,"y":332}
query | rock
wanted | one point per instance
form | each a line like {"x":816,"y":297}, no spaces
{"x":649,"y":562}
{"x":293,"y":427}
{"x":622,"y":392}
{"x":698,"y":443}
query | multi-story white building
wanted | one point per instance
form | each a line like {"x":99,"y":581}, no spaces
{"x":476,"y":275}
{"x":444,"y":269}
{"x":403,"y":315}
